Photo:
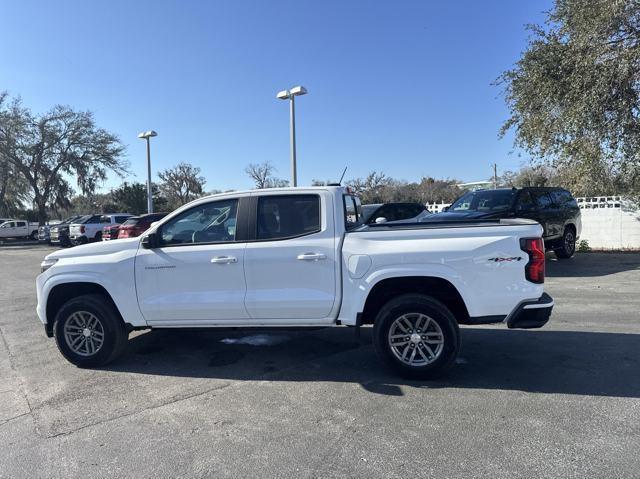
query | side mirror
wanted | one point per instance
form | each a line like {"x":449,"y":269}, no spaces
{"x":150,"y":241}
{"x":381,"y":220}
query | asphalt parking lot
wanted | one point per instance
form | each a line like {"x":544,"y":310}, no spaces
{"x":562,"y":401}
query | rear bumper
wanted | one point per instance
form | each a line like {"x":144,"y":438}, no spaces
{"x":531,"y":314}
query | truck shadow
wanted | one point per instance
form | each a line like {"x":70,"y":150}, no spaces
{"x":584,"y":265}
{"x":543,"y":361}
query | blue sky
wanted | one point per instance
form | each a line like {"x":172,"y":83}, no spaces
{"x":402,"y":87}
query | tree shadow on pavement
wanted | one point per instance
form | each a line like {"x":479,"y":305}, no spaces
{"x":543,"y":361}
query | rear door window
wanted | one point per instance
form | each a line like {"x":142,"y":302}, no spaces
{"x":543,"y":200}
{"x":287,"y":216}
{"x":525,"y":201}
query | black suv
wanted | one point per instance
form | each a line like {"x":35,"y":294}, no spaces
{"x":554,"y":208}
{"x":392,"y":212}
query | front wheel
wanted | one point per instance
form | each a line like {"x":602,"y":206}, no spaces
{"x":567,"y":247}
{"x":89,"y":331}
{"x":416,"y":335}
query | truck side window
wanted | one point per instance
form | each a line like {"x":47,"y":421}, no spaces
{"x":287,"y":216}
{"x":213,"y":222}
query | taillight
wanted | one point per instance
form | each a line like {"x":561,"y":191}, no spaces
{"x":82,"y":229}
{"x":534,"y":269}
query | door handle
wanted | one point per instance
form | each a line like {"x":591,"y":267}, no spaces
{"x":224,"y":259}
{"x":311,"y":256}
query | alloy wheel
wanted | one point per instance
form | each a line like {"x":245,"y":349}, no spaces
{"x":83,"y":333}
{"x":416,"y":339}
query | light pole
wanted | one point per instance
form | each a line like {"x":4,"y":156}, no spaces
{"x":147,"y":135}
{"x":290,"y":95}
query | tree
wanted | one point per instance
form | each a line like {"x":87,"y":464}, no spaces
{"x":132,"y":198}
{"x":45,"y":150}
{"x":370,"y":189}
{"x":432,"y":190}
{"x":181,"y":184}
{"x":262,"y":176}
{"x":574,"y":94}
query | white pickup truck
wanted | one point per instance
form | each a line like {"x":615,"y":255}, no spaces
{"x":18,"y":229}
{"x":297,"y":257}
{"x":89,"y":228}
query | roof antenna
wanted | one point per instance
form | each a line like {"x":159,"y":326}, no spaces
{"x":341,"y":178}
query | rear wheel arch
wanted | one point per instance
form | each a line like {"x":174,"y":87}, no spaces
{"x":438,"y":288}
{"x":61,"y":293}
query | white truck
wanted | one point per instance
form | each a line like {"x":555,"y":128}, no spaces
{"x":297,"y":257}
{"x":18,"y":229}
{"x":89,"y":228}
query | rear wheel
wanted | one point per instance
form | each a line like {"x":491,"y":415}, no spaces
{"x":567,"y":247}
{"x":416,"y":335}
{"x":89,"y":331}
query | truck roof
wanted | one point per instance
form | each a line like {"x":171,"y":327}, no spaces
{"x":287,"y":189}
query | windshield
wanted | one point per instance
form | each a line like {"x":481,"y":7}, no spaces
{"x":131,"y":221}
{"x":484,"y":201}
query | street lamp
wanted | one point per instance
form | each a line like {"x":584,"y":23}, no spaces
{"x":290,"y":95}
{"x":147,"y":135}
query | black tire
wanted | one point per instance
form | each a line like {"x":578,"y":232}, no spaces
{"x":567,"y":248}
{"x":413,"y":305}
{"x":114,"y":332}
{"x":34,"y":235}
{"x":98,"y":236}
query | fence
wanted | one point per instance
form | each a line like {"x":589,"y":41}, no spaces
{"x":436,"y":207}
{"x":608,"y":222}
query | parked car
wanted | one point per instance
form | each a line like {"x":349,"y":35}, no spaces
{"x":554,"y":208}
{"x":59,"y":234}
{"x":44,"y":231}
{"x":19,"y":229}
{"x":112,"y":231}
{"x":386,"y":212}
{"x":297,"y":257}
{"x":136,"y":225}
{"x":90,"y":228}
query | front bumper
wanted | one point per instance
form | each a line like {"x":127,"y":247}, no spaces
{"x":531,"y":314}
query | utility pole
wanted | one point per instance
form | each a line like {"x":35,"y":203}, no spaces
{"x":495,"y":176}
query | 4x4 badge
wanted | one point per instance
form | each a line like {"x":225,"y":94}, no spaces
{"x":501,"y":260}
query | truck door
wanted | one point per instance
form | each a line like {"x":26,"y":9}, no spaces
{"x":290,"y":260}
{"x":197,"y":271}
{"x":8,"y":229}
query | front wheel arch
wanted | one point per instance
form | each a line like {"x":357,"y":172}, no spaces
{"x":61,"y":293}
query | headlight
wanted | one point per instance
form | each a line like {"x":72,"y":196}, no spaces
{"x":47,"y":263}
